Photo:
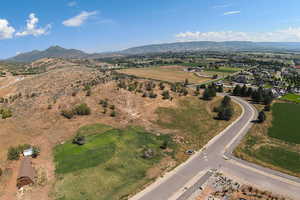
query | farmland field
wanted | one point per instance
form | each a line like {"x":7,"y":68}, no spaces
{"x":109,"y":166}
{"x":276,"y":142}
{"x":165,"y":73}
{"x":285,"y":124}
{"x":291,"y":97}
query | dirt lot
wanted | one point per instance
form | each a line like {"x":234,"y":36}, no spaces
{"x":165,"y":73}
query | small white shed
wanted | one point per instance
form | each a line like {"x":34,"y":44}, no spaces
{"x":28,"y":152}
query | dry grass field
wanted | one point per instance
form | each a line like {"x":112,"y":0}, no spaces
{"x":165,"y":73}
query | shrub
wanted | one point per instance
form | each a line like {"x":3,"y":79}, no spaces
{"x":166,"y":94}
{"x":113,"y":114}
{"x":5,"y":113}
{"x":69,"y":114}
{"x":152,"y":95}
{"x":13,"y":154}
{"x":88,"y":93}
{"x":36,"y":151}
{"x":112,"y":107}
{"x":79,"y":139}
{"x":161,"y":86}
{"x":82,"y":109}
{"x":196,"y":93}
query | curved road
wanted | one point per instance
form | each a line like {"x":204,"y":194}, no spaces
{"x":175,"y":183}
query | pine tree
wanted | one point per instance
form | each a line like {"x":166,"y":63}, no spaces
{"x":261,"y":116}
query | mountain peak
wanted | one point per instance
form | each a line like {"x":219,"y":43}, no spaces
{"x":55,"y":47}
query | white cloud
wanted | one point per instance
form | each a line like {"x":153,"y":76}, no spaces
{"x":6,"y":31}
{"x":285,"y":35}
{"x":78,"y":20}
{"x":232,"y":12}
{"x":32,"y":29}
{"x":72,"y":3}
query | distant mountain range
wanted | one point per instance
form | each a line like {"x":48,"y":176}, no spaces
{"x":59,"y":52}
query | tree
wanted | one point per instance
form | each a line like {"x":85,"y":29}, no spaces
{"x":212,"y":91}
{"x":243,"y":91}
{"x":203,"y":86}
{"x":226,"y":101}
{"x":249,"y":92}
{"x":267,"y":108}
{"x":225,"y":113}
{"x":161,"y":86}
{"x":268,"y":99}
{"x":261,"y":117}
{"x":152,"y":95}
{"x":206,"y":94}
{"x":186,"y":82}
{"x":220,"y":89}
{"x":237,"y":90}
{"x":166,"y":94}
{"x":13,"y":154}
{"x":184,"y":91}
{"x":196,"y":92}
{"x":113,"y":114}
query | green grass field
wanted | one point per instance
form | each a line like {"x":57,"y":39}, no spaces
{"x":227,"y":70}
{"x":109,"y":166}
{"x":279,"y":157}
{"x":292,"y":98}
{"x":286,"y":121}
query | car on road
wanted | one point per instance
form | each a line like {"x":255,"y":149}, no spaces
{"x":225,"y":157}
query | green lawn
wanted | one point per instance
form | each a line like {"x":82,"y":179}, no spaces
{"x":279,"y":157}
{"x":225,"y":70}
{"x":109,"y":166}
{"x":286,"y":122}
{"x":291,"y":97}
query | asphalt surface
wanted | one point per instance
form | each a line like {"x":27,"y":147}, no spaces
{"x":212,"y":157}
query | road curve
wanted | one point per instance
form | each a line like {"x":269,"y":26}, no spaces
{"x":174,"y":183}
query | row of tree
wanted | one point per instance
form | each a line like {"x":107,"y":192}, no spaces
{"x":259,"y":95}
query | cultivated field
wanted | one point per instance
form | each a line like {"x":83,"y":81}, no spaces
{"x":285,"y":124}
{"x":291,"y":97}
{"x":275,"y":143}
{"x":165,"y":73}
{"x":109,"y":166}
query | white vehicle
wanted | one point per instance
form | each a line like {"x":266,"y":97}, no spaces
{"x":225,"y":157}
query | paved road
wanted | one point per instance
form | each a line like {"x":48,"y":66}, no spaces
{"x":213,"y":157}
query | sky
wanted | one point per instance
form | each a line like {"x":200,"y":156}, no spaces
{"x":110,"y":25}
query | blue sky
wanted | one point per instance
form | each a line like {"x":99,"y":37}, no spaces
{"x":102,"y":25}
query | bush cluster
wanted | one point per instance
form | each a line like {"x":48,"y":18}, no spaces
{"x":5,"y":113}
{"x":81,"y":109}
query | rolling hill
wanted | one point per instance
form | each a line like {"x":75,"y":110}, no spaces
{"x":59,"y":52}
